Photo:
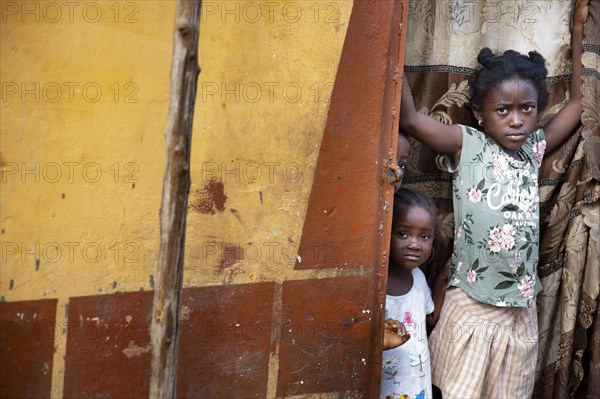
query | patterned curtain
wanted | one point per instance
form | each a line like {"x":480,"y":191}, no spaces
{"x":444,"y":38}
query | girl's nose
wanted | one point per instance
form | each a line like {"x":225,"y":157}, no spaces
{"x":413,"y":244}
{"x":516,"y":120}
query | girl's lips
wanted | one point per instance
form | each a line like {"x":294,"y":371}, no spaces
{"x":412,"y":257}
{"x":515,"y":136}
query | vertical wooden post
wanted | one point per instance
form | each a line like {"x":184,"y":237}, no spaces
{"x":176,"y":185}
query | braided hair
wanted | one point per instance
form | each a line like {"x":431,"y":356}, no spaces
{"x":406,"y":199}
{"x":499,"y":68}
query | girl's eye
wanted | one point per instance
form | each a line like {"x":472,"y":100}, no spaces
{"x":502,"y":111}
{"x":527,"y":108}
{"x":425,"y":236}
{"x":402,"y":234}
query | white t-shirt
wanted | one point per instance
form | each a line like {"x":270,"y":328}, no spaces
{"x":406,"y":369}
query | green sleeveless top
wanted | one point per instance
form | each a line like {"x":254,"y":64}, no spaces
{"x":496,"y":219}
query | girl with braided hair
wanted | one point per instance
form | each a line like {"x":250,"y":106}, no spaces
{"x":406,"y":369}
{"x":486,"y":341}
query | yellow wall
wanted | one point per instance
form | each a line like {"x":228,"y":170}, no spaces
{"x":85,"y":89}
{"x":261,"y":109}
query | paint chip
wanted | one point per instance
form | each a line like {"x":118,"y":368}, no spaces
{"x":133,"y":350}
{"x":209,"y":199}
{"x":184,"y":313}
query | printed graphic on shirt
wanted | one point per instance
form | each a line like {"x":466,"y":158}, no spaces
{"x":406,"y":370}
{"x":496,"y":204}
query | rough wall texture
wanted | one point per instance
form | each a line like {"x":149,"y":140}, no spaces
{"x":84,"y":105}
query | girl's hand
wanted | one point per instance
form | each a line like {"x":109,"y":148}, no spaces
{"x":394,"y":334}
{"x":580,"y":12}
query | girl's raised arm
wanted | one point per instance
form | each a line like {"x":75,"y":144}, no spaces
{"x":564,"y":123}
{"x":434,"y":134}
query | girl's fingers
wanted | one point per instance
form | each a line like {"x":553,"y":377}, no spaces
{"x":581,"y":11}
{"x":396,"y":327}
{"x":402,"y":329}
{"x":395,"y":334}
{"x":392,"y":325}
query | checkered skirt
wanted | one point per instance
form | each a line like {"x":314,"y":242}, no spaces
{"x":483,"y":351}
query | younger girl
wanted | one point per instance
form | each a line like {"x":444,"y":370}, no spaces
{"x":394,"y":333}
{"x":406,"y":371}
{"x":485,"y":344}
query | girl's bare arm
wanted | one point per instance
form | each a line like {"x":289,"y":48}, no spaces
{"x":442,"y":138}
{"x":438,"y":294}
{"x":564,"y":123}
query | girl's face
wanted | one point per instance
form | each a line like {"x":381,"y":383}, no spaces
{"x":509,"y":113}
{"x":412,"y":238}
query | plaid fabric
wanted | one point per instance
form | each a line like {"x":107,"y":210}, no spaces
{"x":483,"y":351}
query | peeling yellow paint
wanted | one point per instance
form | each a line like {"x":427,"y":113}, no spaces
{"x":267,"y":174}
{"x":80,"y":191}
{"x":89,"y":167}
